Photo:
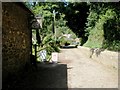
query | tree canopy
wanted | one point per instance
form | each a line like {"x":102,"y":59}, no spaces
{"x":96,"y":23}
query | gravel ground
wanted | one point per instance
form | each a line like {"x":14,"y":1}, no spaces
{"x":84,"y":72}
{"x":73,"y":70}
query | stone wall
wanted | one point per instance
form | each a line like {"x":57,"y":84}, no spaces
{"x":107,"y":58}
{"x":1,"y":46}
{"x":16,"y":38}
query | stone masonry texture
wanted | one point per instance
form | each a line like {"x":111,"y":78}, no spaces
{"x":16,"y":38}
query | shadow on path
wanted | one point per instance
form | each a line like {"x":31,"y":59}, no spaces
{"x":68,"y":47}
{"x":47,"y":76}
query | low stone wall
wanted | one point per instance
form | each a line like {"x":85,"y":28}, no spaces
{"x":105,"y":57}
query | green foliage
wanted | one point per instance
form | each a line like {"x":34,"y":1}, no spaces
{"x":47,"y":34}
{"x":113,"y":45}
{"x":102,"y":26}
{"x":62,"y":40}
{"x":50,"y":44}
{"x":76,"y":14}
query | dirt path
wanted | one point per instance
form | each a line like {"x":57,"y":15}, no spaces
{"x":84,"y":72}
{"x":74,"y":70}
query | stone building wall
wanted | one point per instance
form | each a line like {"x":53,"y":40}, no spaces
{"x":16,"y":38}
{"x":1,"y":46}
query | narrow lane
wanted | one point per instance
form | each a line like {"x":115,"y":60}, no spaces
{"x":84,"y":72}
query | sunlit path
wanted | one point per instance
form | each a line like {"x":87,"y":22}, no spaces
{"x":84,"y":72}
